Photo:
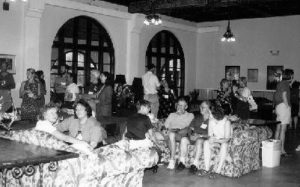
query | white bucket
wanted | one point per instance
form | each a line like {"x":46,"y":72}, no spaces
{"x":271,"y":153}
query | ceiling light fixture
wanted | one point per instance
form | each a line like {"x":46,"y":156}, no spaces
{"x":153,"y":19}
{"x":228,"y":35}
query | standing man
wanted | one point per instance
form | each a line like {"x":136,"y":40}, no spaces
{"x":151,"y":84}
{"x":6,"y":84}
{"x":60,"y":84}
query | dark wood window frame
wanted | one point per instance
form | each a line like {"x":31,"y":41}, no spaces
{"x":104,"y":46}
{"x":163,"y":39}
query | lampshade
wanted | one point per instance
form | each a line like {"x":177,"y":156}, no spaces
{"x":228,"y":35}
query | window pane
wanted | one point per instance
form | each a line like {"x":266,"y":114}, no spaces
{"x":106,"y":58}
{"x":106,"y":68}
{"x":94,"y":56}
{"x":54,"y":53}
{"x":68,"y":40}
{"x":81,"y":41}
{"x":163,"y":50}
{"x":171,"y":50}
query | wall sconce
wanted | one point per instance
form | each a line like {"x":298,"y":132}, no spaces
{"x":5,"y":5}
{"x":274,"y":52}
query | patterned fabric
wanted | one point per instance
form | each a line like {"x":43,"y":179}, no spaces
{"x":113,"y":165}
{"x":166,"y":103}
{"x":30,"y":106}
{"x":243,"y":154}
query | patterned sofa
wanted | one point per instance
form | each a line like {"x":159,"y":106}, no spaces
{"x":111,"y":166}
{"x":244,"y":151}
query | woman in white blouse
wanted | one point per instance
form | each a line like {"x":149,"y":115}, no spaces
{"x":219,"y":132}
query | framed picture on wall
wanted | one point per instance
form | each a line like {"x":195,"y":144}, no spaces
{"x":252,"y":75}
{"x":10,"y":62}
{"x":271,"y":78}
{"x":232,"y":72}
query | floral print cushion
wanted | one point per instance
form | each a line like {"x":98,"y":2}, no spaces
{"x":38,"y":138}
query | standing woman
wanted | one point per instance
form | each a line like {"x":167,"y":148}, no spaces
{"x":30,"y":94}
{"x":40,"y":78}
{"x":104,"y":96}
{"x":166,"y":100}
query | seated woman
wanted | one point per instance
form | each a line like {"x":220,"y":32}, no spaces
{"x":48,"y":119}
{"x":219,"y":132}
{"x":83,"y":125}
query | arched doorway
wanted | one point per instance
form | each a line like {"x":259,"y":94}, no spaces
{"x":81,"y":45}
{"x":165,"y":52}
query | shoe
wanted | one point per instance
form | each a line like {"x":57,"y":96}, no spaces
{"x":180,"y":166}
{"x":193,"y":169}
{"x":298,"y":148}
{"x":171,"y":164}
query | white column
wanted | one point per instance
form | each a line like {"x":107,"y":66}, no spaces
{"x":32,"y":18}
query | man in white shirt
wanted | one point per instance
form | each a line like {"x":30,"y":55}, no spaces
{"x":178,"y":124}
{"x":72,"y":93}
{"x":151,"y":84}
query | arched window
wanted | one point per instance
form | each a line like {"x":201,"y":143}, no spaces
{"x":165,"y":52}
{"x":81,"y":45}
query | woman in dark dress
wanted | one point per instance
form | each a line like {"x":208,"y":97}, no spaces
{"x":104,"y":97}
{"x":40,"y":78}
{"x":224,"y":96}
{"x":166,"y":100}
{"x":30,"y":94}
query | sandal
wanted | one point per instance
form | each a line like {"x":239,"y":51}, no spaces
{"x":202,"y":173}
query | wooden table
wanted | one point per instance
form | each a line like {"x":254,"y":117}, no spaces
{"x":22,"y":158}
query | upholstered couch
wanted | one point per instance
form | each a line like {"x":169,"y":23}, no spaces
{"x":112,"y":165}
{"x":244,"y":151}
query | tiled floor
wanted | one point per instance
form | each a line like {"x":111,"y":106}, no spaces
{"x":286,"y":175}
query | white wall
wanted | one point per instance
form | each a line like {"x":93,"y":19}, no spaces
{"x":205,"y":55}
{"x":255,"y":39}
{"x":11,"y":39}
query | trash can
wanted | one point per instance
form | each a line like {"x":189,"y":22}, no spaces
{"x":271,"y":151}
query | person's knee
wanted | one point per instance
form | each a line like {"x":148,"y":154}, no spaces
{"x":184,"y":141}
{"x":199,"y":142}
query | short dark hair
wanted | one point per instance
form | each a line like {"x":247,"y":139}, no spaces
{"x":86,"y":105}
{"x":287,"y":74}
{"x":44,"y":109}
{"x":182,"y":99}
{"x":141,"y":103}
{"x":217,"y":112}
{"x":109,"y":80}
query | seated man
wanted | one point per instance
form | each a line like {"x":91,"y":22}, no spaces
{"x":139,"y":128}
{"x":200,"y":133}
{"x":178,"y":124}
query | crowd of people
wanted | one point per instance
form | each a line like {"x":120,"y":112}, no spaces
{"x":213,"y":124}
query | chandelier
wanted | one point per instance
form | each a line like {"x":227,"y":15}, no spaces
{"x":153,"y":19}
{"x":228,"y":35}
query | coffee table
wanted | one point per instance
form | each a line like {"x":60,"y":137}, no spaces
{"x":23,"y":159}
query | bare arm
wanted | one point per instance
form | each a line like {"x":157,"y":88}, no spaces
{"x":66,"y":138}
{"x":285,"y":100}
